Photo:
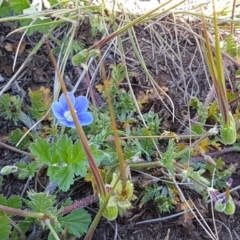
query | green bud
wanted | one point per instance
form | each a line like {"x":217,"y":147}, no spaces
{"x":8,"y":169}
{"x":220,"y":205}
{"x":230,"y":207}
{"x":111,"y":211}
{"x":94,"y":53}
{"x":228,"y":131}
{"x":80,"y":57}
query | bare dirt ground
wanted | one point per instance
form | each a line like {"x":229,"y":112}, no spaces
{"x":180,"y":83}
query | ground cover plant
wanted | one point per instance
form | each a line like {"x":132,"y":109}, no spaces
{"x":104,"y":128}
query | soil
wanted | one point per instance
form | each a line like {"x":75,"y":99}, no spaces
{"x":177,"y":84}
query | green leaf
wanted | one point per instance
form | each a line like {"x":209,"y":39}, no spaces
{"x":198,"y":129}
{"x":24,"y":226}
{"x":26,"y":170}
{"x":99,"y":155}
{"x":10,"y":107}
{"x":14,"y":202}
{"x":41,"y":149}
{"x":65,"y":149}
{"x":15,"y":136}
{"x":53,"y":2}
{"x":19,"y":5}
{"x":5,"y":227}
{"x":77,"y":222}
{"x":169,"y":156}
{"x":5,"y":10}
{"x":42,"y":26}
{"x":80,"y":57}
{"x":201,"y":109}
{"x":213,"y":111}
{"x":39,"y":106}
{"x":55,"y":157}
{"x":80,"y":162}
{"x":231,"y":46}
{"x":64,"y":177}
{"x":52,"y":171}
{"x":118,"y":73}
{"x":40,"y":202}
{"x":3,"y":201}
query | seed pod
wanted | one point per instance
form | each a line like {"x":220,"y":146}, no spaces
{"x":220,"y":205}
{"x":230,"y":207}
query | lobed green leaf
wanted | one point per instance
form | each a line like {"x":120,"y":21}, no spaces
{"x":64,"y":176}
{"x":77,"y":222}
{"x":41,"y":149}
{"x":40,"y":202}
{"x":5,"y":227}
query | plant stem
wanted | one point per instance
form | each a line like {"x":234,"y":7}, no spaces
{"x":97,"y":176}
{"x":22,"y":213}
{"x":14,"y":149}
{"x":52,"y":230}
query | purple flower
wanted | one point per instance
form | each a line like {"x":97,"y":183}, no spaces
{"x":224,"y":200}
{"x":229,"y":182}
{"x":62,"y":113}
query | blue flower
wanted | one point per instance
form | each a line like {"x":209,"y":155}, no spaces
{"x":62,"y":113}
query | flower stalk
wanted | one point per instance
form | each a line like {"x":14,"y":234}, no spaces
{"x":116,"y":137}
{"x":97,"y":176}
{"x":227,"y":128}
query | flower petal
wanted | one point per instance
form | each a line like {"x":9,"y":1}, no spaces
{"x":58,"y":110}
{"x":66,"y":123}
{"x":81,"y":104}
{"x":63,"y":100}
{"x":85,"y":118}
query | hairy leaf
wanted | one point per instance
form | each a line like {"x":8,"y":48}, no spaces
{"x":26,"y":170}
{"x":40,"y":202}
{"x":19,"y":5}
{"x":64,"y":177}
{"x":77,"y":222}
{"x":5,"y":10}
{"x":5,"y":227}
{"x":41,"y":149}
{"x":15,"y":136}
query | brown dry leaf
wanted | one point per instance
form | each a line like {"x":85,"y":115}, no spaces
{"x":47,"y":97}
{"x":142,"y":98}
{"x":203,"y":146}
{"x":215,"y":146}
{"x":6,"y":65}
{"x":183,"y":207}
{"x":100,"y":87}
{"x":7,"y":69}
{"x":40,"y":76}
{"x":13,"y":47}
{"x":167,"y":134}
{"x":153,"y":95}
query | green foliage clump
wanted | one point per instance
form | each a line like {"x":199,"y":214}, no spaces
{"x":64,"y":159}
{"x":38,"y":106}
{"x":10,"y":107}
{"x":231,"y":46}
{"x":15,"y":137}
{"x":161,"y":195}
